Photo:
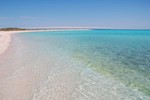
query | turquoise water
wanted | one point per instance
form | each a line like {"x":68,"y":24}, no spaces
{"x":77,"y":65}
{"x":123,"y":55}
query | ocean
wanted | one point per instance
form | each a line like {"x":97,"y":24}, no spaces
{"x":77,"y":65}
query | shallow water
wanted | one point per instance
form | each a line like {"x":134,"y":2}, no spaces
{"x":77,"y":65}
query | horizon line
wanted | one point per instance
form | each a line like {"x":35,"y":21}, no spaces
{"x":79,"y":27}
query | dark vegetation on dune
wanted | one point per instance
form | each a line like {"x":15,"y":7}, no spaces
{"x":11,"y":29}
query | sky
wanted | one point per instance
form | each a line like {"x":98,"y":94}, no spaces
{"x":117,"y":14}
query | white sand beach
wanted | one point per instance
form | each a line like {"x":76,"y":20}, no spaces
{"x":5,"y":38}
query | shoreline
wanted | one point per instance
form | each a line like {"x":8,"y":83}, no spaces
{"x":37,"y":73}
{"x":5,"y":37}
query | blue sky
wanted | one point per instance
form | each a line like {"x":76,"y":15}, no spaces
{"x":87,"y":13}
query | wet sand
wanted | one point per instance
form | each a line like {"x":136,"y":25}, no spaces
{"x":5,"y":39}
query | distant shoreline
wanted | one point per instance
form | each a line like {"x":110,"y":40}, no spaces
{"x":5,"y":35}
{"x":39,"y":29}
{"x":62,"y":28}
